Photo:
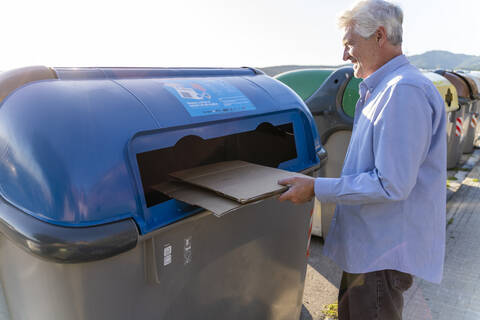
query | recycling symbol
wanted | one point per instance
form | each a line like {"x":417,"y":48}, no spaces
{"x":449,"y":97}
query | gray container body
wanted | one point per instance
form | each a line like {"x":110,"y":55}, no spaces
{"x":246,"y":265}
{"x":454,"y":141}
{"x":335,"y":129}
{"x":476,"y":141}
{"x":470,"y":127}
{"x":4,"y":314}
{"x":336,"y":147}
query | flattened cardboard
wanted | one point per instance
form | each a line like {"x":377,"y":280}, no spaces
{"x":197,"y":196}
{"x":241,"y":181}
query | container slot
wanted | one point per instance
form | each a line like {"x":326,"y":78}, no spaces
{"x":267,"y":145}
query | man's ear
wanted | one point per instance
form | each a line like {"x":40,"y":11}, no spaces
{"x":381,"y":36}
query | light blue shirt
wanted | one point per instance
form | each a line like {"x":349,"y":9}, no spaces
{"x":391,"y":196}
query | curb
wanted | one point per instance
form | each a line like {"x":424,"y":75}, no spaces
{"x":461,"y":173}
{"x":462,"y":177}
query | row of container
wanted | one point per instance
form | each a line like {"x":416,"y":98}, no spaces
{"x":85,"y":232}
{"x":331,"y":96}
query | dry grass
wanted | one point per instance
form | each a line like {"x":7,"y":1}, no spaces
{"x":330,"y":312}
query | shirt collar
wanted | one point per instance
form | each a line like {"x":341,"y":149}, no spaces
{"x":374,"y":79}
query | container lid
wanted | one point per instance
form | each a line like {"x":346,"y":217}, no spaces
{"x":447,"y":90}
{"x":304,"y":82}
{"x":476,"y":78}
{"x":462,"y":86}
{"x":323,"y":90}
{"x":474,"y":88}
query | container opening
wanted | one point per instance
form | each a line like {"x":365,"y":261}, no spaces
{"x":267,"y":145}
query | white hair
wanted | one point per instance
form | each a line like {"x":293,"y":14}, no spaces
{"x":368,"y":15}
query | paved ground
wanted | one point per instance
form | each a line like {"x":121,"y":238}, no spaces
{"x":321,"y":284}
{"x":458,"y":296}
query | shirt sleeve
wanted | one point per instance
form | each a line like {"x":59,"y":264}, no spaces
{"x":402,"y":133}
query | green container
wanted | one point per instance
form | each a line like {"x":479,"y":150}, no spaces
{"x":307,"y":81}
{"x":304,"y":82}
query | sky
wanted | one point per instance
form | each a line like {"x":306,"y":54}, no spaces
{"x":211,"y":33}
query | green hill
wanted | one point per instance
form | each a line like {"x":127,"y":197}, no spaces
{"x":445,"y":60}
{"x":429,"y":60}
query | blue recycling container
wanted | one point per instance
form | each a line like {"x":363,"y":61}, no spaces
{"x":85,"y":235}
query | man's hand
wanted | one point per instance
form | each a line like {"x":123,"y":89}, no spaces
{"x":301,"y":189}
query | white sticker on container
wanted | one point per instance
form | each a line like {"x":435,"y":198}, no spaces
{"x":187,"y":250}
{"x":167,"y":254}
{"x":167,"y":250}
{"x":167,"y":260}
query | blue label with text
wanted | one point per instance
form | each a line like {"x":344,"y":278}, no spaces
{"x":208,"y":97}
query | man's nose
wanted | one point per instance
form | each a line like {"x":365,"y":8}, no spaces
{"x":346,"y":55}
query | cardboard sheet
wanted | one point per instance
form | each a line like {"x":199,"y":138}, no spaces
{"x":240,"y":181}
{"x":197,"y":196}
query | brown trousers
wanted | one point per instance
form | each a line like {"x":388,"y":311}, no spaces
{"x":374,"y":295}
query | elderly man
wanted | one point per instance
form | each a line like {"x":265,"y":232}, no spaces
{"x":391,"y":197}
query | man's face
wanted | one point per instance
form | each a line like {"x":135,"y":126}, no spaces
{"x":361,"y":52}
